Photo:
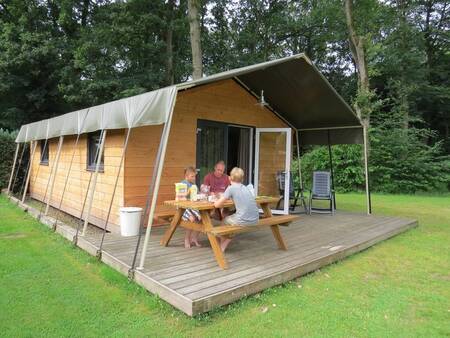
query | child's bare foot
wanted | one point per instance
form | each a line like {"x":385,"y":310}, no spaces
{"x":187,"y":244}
{"x":224,"y":243}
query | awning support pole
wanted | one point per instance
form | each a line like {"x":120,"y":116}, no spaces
{"x":147,"y":205}
{"x":39,"y":164}
{"x":75,"y":238}
{"x":366,"y":171}
{"x":13,"y":167}
{"x":124,"y":150}
{"x":94,"y":183}
{"x":75,"y":146}
{"x":299,"y":164}
{"x":162,"y":155}
{"x":18,"y":167}
{"x":53,"y":174}
{"x":331,"y":166}
{"x":30,"y":163}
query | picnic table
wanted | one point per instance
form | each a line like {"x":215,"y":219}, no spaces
{"x":213,"y":232}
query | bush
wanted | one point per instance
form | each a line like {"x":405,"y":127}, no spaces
{"x":348,"y":166}
{"x":401,"y":161}
{"x":7,"y":149}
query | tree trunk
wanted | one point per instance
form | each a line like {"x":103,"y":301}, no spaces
{"x":194,"y":28}
{"x":357,"y":47}
{"x":359,"y":56}
{"x":169,"y":43}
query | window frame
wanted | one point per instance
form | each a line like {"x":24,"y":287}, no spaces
{"x":90,"y":147}
{"x":44,"y":156}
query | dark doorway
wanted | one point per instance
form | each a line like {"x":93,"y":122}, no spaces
{"x":222,"y":141}
{"x":239,"y":149}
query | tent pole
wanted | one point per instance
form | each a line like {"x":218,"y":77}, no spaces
{"x":13,"y":167}
{"x":124,"y":149}
{"x":39,"y":165}
{"x":97,"y":151}
{"x":147,"y":205}
{"x":94,"y":183}
{"x":68,"y":171}
{"x":302,"y":197}
{"x":331,"y":165}
{"x":366,"y":171}
{"x":30,"y":163}
{"x":162,"y":155}
{"x":53,"y":174}
{"x":18,"y":167}
{"x":66,"y":180}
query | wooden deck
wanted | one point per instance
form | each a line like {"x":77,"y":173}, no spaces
{"x":191,"y":280}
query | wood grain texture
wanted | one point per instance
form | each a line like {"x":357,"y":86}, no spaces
{"x":223,"y":101}
{"x":79,"y":178}
{"x":191,"y":280}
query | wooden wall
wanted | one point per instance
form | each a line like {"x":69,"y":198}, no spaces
{"x":79,"y":178}
{"x":224,"y":101}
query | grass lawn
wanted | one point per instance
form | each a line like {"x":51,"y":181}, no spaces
{"x":398,"y":288}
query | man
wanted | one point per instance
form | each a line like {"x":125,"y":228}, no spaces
{"x":217,"y":180}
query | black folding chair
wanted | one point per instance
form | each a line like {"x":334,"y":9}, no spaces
{"x":321,"y":190}
{"x":281,"y":177}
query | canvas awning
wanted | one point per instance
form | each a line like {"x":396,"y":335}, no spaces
{"x":300,"y":94}
{"x":293,"y":87}
{"x":140,"y":110}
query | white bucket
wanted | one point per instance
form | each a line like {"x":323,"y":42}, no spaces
{"x":130,"y":221}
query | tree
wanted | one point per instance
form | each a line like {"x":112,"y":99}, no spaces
{"x":194,"y":29}
{"x":358,"y":50}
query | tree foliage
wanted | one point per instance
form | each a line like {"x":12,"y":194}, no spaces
{"x":59,"y":56}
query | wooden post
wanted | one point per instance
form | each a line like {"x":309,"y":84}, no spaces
{"x":162,"y":155}
{"x":53,"y":173}
{"x":366,"y":170}
{"x":94,"y":183}
{"x":13,"y":167}
{"x":33,"y":151}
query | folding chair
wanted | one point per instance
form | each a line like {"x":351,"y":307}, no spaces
{"x":321,"y":190}
{"x":281,"y":176}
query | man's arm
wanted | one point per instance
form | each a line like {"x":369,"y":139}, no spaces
{"x":220,"y":202}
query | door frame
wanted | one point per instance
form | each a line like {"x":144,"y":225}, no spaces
{"x":201,"y":123}
{"x":287,"y":163}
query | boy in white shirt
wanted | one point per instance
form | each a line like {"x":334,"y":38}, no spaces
{"x":246,"y":209}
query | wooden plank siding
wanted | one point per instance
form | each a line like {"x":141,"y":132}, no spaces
{"x":79,"y":178}
{"x":224,"y":101}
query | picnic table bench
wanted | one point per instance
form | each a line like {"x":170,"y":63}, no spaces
{"x":213,"y":232}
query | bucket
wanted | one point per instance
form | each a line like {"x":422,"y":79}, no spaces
{"x":130,"y":221}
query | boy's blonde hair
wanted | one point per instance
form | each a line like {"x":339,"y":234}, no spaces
{"x":189,"y":170}
{"x":237,"y":175}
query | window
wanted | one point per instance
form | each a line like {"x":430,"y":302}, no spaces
{"x":93,"y":144}
{"x":44,"y":152}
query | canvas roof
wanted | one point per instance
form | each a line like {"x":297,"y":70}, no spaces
{"x":293,"y":87}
